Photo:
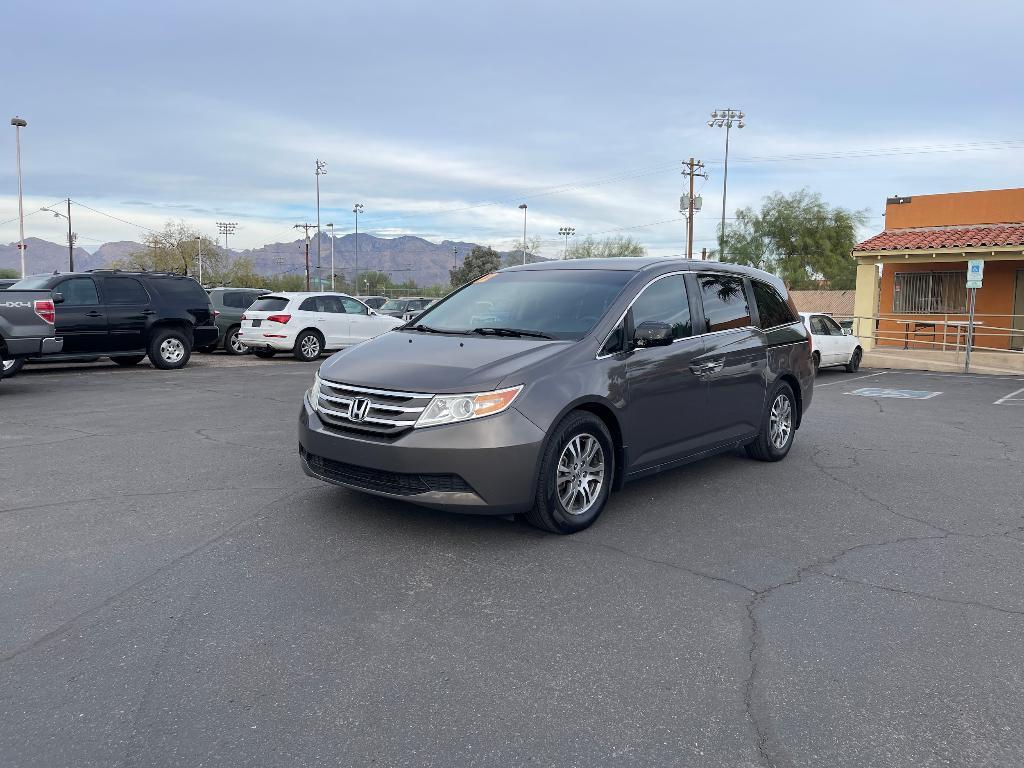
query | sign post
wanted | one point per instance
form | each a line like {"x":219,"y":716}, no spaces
{"x":975,"y":275}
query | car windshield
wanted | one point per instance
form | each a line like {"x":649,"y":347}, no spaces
{"x":394,"y":305}
{"x":557,"y":303}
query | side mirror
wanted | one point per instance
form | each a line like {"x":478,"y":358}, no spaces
{"x":57,"y":297}
{"x":373,"y":311}
{"x":652,"y":333}
{"x":847,"y":332}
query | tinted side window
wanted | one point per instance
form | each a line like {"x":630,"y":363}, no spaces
{"x":309,"y":305}
{"x":79,"y":292}
{"x":329,"y":304}
{"x":269,"y":304}
{"x":725,"y":303}
{"x":181,"y":289}
{"x":236,"y":299}
{"x":124,"y":290}
{"x":616,"y":341}
{"x":665,"y":301}
{"x":353,"y":307}
{"x":771,"y":307}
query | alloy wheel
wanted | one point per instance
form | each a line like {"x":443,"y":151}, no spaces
{"x":237,"y":346}
{"x":172,"y":350}
{"x":780,"y":423}
{"x":580,"y":474}
{"x":311,"y":346}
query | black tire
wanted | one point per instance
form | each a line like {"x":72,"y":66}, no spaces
{"x":127,"y":361}
{"x":550,"y":511}
{"x":816,"y":361}
{"x":767,"y":447}
{"x":308,"y":346}
{"x":231,"y":344}
{"x":169,"y":349}
{"x":11,"y":367}
{"x":266,"y":354}
{"x":854,"y":365}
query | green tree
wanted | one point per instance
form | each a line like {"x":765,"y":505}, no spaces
{"x":618,"y":246}
{"x":9,"y":274}
{"x":799,"y":237}
{"x":533,"y":246}
{"x":175,"y":249}
{"x":480,"y":261}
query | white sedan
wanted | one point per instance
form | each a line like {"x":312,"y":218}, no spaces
{"x":833,"y":344}
{"x":307,"y":324}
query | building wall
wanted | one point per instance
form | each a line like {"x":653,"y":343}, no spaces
{"x":996,"y":297}
{"x":997,"y":206}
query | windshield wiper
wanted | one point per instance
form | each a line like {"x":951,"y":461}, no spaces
{"x":427,"y":329}
{"x":513,"y":332}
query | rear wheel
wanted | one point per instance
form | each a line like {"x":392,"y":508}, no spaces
{"x":169,"y":349}
{"x":232,"y":344}
{"x":854,"y":365}
{"x":128,"y":360}
{"x":777,"y":427}
{"x":11,"y":367}
{"x":308,"y":346}
{"x":576,"y":474}
{"x":266,"y":354}
{"x":816,"y":359}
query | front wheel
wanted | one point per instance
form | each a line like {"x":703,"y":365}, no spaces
{"x":854,"y":365}
{"x":576,"y":475}
{"x":11,"y":367}
{"x":169,"y":349}
{"x":778,"y":426}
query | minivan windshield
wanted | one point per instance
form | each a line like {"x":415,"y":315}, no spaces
{"x":555,"y":303}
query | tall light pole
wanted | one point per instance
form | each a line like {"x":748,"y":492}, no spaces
{"x":455,"y":257}
{"x":71,"y":235}
{"x":725,"y":118}
{"x":18,"y":124}
{"x":357,"y":209}
{"x":331,"y":226}
{"x":522,"y":207}
{"x":321,"y":169}
{"x":226,"y":228}
{"x":199,"y":240}
{"x":566,"y":232}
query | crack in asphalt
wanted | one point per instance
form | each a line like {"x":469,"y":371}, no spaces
{"x":155,"y":494}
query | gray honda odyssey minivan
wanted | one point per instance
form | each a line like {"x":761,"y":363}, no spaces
{"x":539,"y":389}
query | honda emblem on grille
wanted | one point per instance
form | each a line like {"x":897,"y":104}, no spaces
{"x":357,"y":411}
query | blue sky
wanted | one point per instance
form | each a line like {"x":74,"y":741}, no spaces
{"x":442,"y":117}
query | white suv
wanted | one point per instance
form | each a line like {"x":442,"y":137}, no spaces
{"x":306,"y":324}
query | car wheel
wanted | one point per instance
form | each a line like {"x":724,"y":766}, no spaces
{"x":308,"y":346}
{"x":777,"y":427}
{"x":169,"y":349}
{"x":266,"y":354}
{"x":854,"y":365}
{"x":576,"y":473}
{"x":816,"y":360}
{"x":128,"y":360}
{"x":232,"y":344}
{"x":11,"y":367}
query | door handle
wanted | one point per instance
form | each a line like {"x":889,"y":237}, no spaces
{"x":149,"y":311}
{"x":93,"y":313}
{"x":712,"y":366}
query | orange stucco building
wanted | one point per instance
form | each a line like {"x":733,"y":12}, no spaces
{"x":921,"y":300}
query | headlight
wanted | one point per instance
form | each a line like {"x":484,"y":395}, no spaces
{"x":314,"y":392}
{"x":448,"y":409}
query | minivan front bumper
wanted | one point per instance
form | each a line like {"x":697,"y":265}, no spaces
{"x":486,"y":466}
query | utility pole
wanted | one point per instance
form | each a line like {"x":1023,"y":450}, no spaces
{"x":357,"y":209}
{"x":725,"y":118}
{"x":321,"y":169}
{"x":523,"y":209}
{"x":199,"y":240}
{"x":566,"y":232}
{"x":332,"y":254}
{"x":455,"y":257}
{"x":691,"y":169}
{"x":306,"y":227}
{"x":226,"y":228}
{"x":72,"y":237}
{"x":18,"y":124}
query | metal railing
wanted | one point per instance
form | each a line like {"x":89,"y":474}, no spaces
{"x":990,"y":332}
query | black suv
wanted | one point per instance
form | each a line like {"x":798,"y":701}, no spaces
{"x":128,"y":315}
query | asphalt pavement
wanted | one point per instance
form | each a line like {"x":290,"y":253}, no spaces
{"x":174,"y":591}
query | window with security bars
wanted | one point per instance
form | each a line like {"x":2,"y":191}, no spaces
{"x":932,"y":293}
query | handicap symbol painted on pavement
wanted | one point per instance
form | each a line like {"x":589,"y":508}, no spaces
{"x":901,"y":394}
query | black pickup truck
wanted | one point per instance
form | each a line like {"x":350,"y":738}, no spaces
{"x":27,"y":326}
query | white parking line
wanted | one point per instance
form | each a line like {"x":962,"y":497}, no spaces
{"x":855,"y":378}
{"x":1012,"y":397}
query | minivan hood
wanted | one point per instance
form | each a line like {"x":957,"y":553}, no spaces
{"x":431,"y":363}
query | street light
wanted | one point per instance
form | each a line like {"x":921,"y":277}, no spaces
{"x":566,"y":232}
{"x":18,"y":124}
{"x":522,"y":207}
{"x":199,"y":240}
{"x":321,"y":169}
{"x":357,"y":209}
{"x":332,"y":254}
{"x":71,"y":235}
{"x":226,"y":228}
{"x":725,"y":118}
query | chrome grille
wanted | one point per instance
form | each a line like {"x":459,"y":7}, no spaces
{"x":374,"y":411}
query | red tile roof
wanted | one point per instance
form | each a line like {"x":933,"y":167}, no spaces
{"x":935,"y":238}
{"x":839,"y":303}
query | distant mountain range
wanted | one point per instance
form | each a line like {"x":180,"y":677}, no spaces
{"x":404,"y":257}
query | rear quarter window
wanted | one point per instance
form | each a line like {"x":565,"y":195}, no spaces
{"x":181,"y":290}
{"x":772,"y":309}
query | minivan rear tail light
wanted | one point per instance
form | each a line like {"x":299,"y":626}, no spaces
{"x":244,"y":317}
{"x":282,"y":319}
{"x":45,"y":309}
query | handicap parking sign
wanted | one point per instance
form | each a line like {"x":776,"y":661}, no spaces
{"x":975,"y":273}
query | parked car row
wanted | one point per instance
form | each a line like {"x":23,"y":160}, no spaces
{"x":127,"y":316}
